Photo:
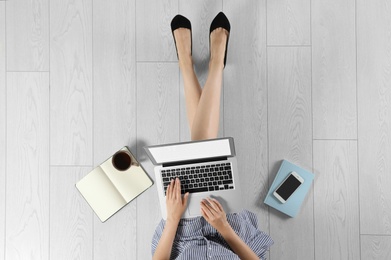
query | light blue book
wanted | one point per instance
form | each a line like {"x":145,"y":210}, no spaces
{"x":292,"y":206}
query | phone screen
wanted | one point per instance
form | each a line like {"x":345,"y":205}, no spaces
{"x":288,"y":187}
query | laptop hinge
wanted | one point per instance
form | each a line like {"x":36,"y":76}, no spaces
{"x":222,"y":158}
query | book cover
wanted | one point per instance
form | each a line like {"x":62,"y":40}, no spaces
{"x":292,"y":206}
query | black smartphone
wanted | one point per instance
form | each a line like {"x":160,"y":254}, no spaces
{"x":288,"y":187}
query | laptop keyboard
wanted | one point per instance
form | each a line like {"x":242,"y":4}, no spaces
{"x":202,"y":178}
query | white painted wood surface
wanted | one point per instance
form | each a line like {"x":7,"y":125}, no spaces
{"x":112,"y":80}
{"x":334,"y":69}
{"x":3,"y":127}
{"x":245,"y":101}
{"x":375,"y":247}
{"x":157,"y":91}
{"x":114,"y":114}
{"x":290,"y":138}
{"x":114,"y":64}
{"x":71,"y":82}
{"x":288,"y":22}
{"x":27,"y":205}
{"x":374,"y":107}
{"x":336,"y":207}
{"x":28,"y":35}
{"x":200,"y":14}
{"x":71,"y":219}
{"x":154,"y":37}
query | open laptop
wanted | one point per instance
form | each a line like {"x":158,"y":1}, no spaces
{"x":206,"y":168}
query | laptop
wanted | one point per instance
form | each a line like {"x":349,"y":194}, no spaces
{"x":206,"y":168}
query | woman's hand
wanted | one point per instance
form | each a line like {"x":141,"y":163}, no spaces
{"x":175,"y":204}
{"x":175,"y":208}
{"x":214,"y":213}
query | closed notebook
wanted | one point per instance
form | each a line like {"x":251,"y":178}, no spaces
{"x":107,"y":190}
{"x":292,"y":206}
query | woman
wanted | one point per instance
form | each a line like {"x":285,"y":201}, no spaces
{"x":215,"y":234}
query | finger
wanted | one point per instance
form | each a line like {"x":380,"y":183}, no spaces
{"x":168,"y":192}
{"x":174,"y":190}
{"x":203,"y":213}
{"x":217,"y":203}
{"x":212,"y":205}
{"x":171,"y":185}
{"x":207,"y":209}
{"x":185,"y":199}
{"x":207,"y":204}
{"x":177,"y":188}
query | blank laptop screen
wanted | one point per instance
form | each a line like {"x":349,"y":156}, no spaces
{"x":189,"y":151}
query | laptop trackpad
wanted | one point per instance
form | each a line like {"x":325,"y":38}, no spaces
{"x":194,"y":206}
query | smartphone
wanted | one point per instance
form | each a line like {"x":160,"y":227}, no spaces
{"x":288,"y":187}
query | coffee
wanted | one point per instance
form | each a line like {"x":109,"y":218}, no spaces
{"x":122,"y":161}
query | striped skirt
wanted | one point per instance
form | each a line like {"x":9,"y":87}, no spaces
{"x":197,"y":239}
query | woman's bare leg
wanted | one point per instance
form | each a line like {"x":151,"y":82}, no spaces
{"x":206,"y":120}
{"x":191,"y":84}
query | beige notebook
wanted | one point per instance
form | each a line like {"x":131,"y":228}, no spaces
{"x":107,"y":190}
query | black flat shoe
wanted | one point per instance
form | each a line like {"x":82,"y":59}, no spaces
{"x":180,"y":21}
{"x":221,"y":21}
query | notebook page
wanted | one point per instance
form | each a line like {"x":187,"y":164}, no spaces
{"x":100,"y":194}
{"x":129,"y":183}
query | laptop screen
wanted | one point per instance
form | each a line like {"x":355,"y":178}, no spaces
{"x":191,"y":150}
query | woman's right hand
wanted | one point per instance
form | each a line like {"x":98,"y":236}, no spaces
{"x":214,"y":213}
{"x":175,"y":204}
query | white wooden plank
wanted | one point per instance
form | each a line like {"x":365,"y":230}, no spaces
{"x":290,"y":137}
{"x":374,"y":102}
{"x":27,"y":205}
{"x":70,"y":215}
{"x":245,"y":101}
{"x":334,"y":69}
{"x":157,"y":123}
{"x":112,"y":238}
{"x":28,"y":35}
{"x":71,"y":82}
{"x":201,"y":14}
{"x":288,"y":22}
{"x":114,"y":65}
{"x":154,"y":37}
{"x":114,"y":77}
{"x":336,"y":207}
{"x":3,"y":125}
{"x":375,"y":247}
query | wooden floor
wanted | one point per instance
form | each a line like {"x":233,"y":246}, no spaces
{"x":307,"y":81}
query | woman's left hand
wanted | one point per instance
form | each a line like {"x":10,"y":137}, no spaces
{"x":175,"y":204}
{"x":213,"y":212}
